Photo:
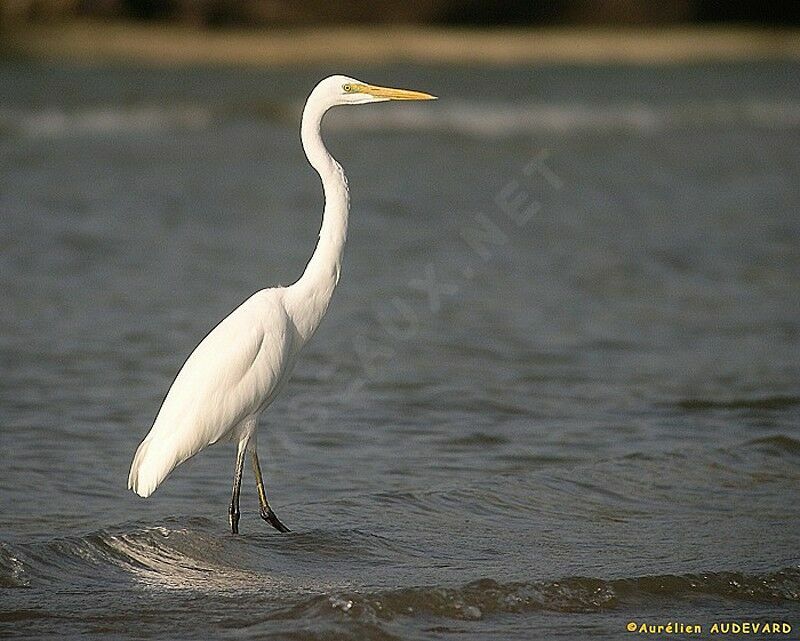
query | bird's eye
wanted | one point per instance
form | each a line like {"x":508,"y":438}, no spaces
{"x":347,"y":88}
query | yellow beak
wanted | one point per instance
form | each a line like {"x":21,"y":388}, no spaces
{"x":393,"y":94}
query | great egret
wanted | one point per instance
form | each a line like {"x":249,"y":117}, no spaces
{"x":243,"y":363}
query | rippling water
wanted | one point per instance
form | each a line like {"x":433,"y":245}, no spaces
{"x":556,"y":391}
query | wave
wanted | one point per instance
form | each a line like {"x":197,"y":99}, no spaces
{"x":487,"y":597}
{"x":188,"y":553}
{"x":760,"y":403}
{"x":183,"y":558}
{"x":493,"y":120}
{"x":57,"y":122}
{"x":458,"y":116}
{"x":317,"y":573}
{"x":176,"y":557}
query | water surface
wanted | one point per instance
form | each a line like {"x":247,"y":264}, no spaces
{"x":556,"y":390}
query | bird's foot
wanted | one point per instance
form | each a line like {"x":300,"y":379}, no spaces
{"x":270,"y":517}
{"x":233,"y":519}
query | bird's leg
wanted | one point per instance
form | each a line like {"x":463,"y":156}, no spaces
{"x":266,"y":511}
{"x":233,"y":511}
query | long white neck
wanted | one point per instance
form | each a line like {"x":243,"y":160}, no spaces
{"x":307,"y":300}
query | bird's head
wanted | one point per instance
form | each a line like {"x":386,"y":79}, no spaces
{"x":342,"y":90}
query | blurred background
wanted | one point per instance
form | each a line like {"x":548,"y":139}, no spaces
{"x":267,"y":13}
{"x":273,"y":32}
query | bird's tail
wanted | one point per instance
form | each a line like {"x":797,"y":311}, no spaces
{"x":150,"y":466}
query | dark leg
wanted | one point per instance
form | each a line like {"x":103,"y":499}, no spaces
{"x":266,"y":511}
{"x":233,"y":511}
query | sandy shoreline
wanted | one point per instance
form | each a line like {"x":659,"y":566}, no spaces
{"x":166,"y":45}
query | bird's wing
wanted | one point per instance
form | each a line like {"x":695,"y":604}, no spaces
{"x":229,"y":377}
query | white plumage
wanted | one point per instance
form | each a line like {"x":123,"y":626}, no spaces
{"x":229,"y":378}
{"x":244,"y":362}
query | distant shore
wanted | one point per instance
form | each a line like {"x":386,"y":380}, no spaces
{"x":95,"y":42}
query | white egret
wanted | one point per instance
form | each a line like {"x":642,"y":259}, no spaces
{"x":239,"y":368}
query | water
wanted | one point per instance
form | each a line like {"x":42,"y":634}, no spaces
{"x":545,"y":425}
